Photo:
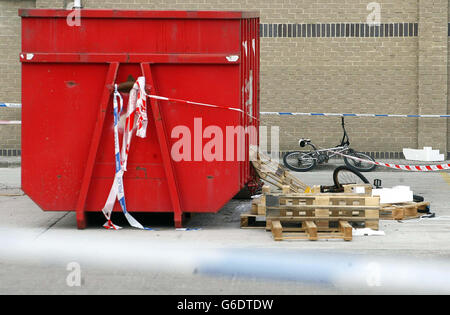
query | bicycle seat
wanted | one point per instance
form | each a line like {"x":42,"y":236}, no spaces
{"x":304,"y":142}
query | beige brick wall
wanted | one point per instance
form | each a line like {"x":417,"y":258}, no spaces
{"x":10,"y":69}
{"x":350,"y":75}
{"x":275,"y":11}
{"x":433,"y":76}
{"x":448,"y":90}
{"x":361,"y":75}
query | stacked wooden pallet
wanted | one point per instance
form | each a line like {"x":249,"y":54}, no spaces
{"x":312,"y":216}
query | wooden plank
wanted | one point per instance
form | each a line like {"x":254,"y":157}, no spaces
{"x":276,"y":184}
{"x":402,"y":211}
{"x":398,"y":214}
{"x":423,"y":205}
{"x":268,"y":224}
{"x":372,"y":214}
{"x":311,"y":230}
{"x":261,"y":209}
{"x":330,"y":207}
{"x":411,"y":211}
{"x":254,"y":208}
{"x":346,"y":229}
{"x":315,"y":189}
{"x":266,"y":190}
{"x":321,"y":236}
{"x":321,"y":212}
{"x":328,"y":219}
{"x":286,"y":189}
{"x":244,"y":221}
{"x":352,"y":189}
{"x":332,"y":196}
{"x":258,"y":206}
{"x":275,"y":174}
{"x":277,"y":231}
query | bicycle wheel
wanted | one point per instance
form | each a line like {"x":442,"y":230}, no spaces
{"x":299,"y":161}
{"x":344,"y":175}
{"x":360,"y":165}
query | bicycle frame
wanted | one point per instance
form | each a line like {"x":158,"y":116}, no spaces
{"x":330,"y":152}
{"x":307,"y":160}
{"x":346,"y":138}
{"x":343,"y":148}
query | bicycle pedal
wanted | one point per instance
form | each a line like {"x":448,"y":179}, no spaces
{"x":377,"y":183}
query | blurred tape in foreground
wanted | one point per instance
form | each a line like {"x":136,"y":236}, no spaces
{"x":346,"y":272}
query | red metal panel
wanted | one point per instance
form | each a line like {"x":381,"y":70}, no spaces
{"x":93,"y":149}
{"x":142,"y":14}
{"x":243,"y":79}
{"x":64,"y":71}
{"x":129,"y":35}
{"x":60,"y":110}
{"x":158,"y":120}
{"x":127,"y":58}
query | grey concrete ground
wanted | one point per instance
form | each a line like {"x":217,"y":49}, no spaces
{"x":10,"y":161}
{"x":426,"y":241}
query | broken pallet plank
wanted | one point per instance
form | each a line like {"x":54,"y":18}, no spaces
{"x":403,"y":211}
{"x":274,"y":173}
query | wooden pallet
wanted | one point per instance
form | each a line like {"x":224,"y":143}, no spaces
{"x":310,"y":231}
{"x":323,"y":209}
{"x":274,"y":173}
{"x":403,"y":211}
{"x":314,"y":215}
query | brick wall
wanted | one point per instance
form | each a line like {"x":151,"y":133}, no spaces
{"x":448,"y":91}
{"x":10,"y":70}
{"x":433,"y":76}
{"x":388,"y":74}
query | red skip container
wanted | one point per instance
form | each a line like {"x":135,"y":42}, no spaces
{"x":67,"y":116}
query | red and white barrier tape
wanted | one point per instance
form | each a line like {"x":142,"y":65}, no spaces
{"x":411,"y":168}
{"x":162,"y":98}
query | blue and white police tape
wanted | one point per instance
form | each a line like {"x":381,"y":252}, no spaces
{"x":10,"y":105}
{"x":162,"y":98}
{"x":10,"y":122}
{"x":342,"y":272}
{"x":352,"y":115}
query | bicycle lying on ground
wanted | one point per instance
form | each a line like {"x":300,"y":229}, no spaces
{"x":304,"y":161}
